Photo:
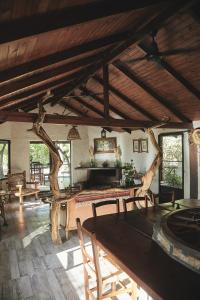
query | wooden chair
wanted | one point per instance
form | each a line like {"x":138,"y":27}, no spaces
{"x":17,"y":186}
{"x":106,"y":202}
{"x":97,"y":268}
{"x":133,"y":200}
{"x":168,"y":196}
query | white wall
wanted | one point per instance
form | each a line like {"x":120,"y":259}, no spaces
{"x":20,"y":138}
{"x":142,"y":161}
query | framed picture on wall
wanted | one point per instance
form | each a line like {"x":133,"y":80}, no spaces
{"x":136,"y":145}
{"x":144,"y":145}
{"x":106,"y":145}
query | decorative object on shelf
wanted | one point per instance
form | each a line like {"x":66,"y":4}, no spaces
{"x":136,"y":145}
{"x":143,"y":145}
{"x":103,"y":133}
{"x":106,"y":145}
{"x":73,"y":134}
{"x":93,"y":162}
{"x":105,"y":164}
{"x":118,"y":154}
{"x":194,"y":136}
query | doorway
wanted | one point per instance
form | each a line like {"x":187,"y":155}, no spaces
{"x":40,"y":164}
{"x":171,"y":171}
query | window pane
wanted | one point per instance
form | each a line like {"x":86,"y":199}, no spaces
{"x":4,"y":158}
{"x":171,"y":175}
{"x":64,"y":175}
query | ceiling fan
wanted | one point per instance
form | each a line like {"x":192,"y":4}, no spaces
{"x":155,"y":55}
{"x":82,"y":95}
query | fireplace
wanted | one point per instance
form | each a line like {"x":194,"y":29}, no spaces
{"x":103,"y":177}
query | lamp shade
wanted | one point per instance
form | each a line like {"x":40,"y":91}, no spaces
{"x":73,"y":134}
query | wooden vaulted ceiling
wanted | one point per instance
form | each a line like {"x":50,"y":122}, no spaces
{"x":62,"y":46}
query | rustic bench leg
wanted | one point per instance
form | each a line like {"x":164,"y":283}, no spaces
{"x":36,"y":196}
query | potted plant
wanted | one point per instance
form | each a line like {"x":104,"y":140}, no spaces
{"x":105,"y":164}
{"x":128,"y":173}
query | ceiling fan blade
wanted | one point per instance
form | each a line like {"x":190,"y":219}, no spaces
{"x":179,"y":51}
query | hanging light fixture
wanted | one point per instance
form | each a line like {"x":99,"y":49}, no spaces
{"x":103,"y":133}
{"x":73,"y":134}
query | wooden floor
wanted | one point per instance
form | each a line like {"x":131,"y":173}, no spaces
{"x":31,"y":267}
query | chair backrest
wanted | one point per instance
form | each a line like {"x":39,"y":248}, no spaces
{"x":16,"y":179}
{"x":133,"y":200}
{"x":90,"y":262}
{"x":106,"y":202}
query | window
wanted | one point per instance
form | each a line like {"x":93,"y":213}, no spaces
{"x":4,"y":158}
{"x":40,"y":164}
{"x":171,"y":169}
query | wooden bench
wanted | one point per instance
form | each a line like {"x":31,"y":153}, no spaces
{"x":18,"y":186}
{"x":80,"y":206}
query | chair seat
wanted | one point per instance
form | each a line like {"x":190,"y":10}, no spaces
{"x":26,"y":192}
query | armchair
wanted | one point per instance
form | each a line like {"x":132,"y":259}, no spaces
{"x":17,"y":186}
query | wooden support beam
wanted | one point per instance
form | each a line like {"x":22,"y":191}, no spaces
{"x":89,"y":106}
{"x":193,"y":171}
{"x":58,"y":86}
{"x":166,"y":66}
{"x":106,"y":90}
{"x":27,"y":84}
{"x":111,"y":107}
{"x":102,"y":122}
{"x":136,"y":36}
{"x":126,"y":99}
{"x":38,"y":65}
{"x":101,"y":101}
{"x":161,"y":100}
{"x":77,"y":14}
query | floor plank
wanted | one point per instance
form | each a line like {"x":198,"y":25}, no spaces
{"x":31,"y":267}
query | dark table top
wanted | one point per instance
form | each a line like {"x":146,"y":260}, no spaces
{"x":127,"y":240}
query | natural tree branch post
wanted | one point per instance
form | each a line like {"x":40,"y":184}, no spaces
{"x":55,"y":166}
{"x":150,"y":173}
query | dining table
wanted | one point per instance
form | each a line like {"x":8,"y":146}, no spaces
{"x":127,"y":239}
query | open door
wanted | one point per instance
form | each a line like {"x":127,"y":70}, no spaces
{"x":171,"y":172}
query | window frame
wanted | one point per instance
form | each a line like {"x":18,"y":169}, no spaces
{"x":9,"y":157}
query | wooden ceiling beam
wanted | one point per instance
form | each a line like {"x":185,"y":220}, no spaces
{"x":58,"y":86}
{"x":37,"y":24}
{"x":111,"y":107}
{"x":87,"y":121}
{"x":126,"y":99}
{"x":106,"y":90}
{"x":89,"y":106}
{"x":38,"y":65}
{"x":97,"y":111}
{"x":161,"y":100}
{"x":101,"y":101}
{"x":136,"y":36}
{"x":172,"y":72}
{"x":21,"y":86}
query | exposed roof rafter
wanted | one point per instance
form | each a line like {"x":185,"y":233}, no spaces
{"x":154,"y":23}
{"x":162,"y":101}
{"x":166,"y":66}
{"x":33,"y":25}
{"x":109,"y":122}
{"x":126,"y":99}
